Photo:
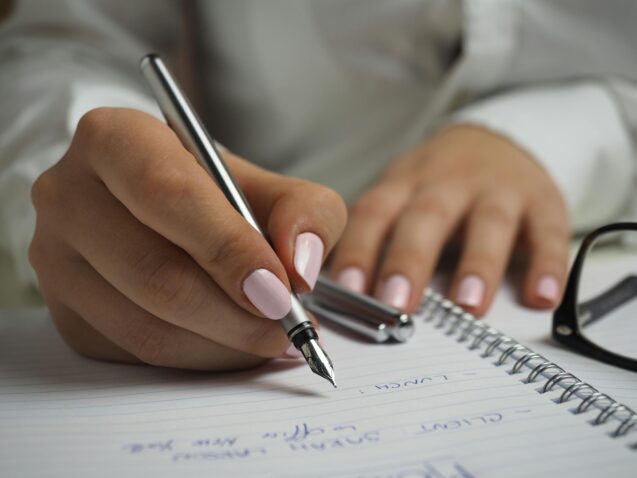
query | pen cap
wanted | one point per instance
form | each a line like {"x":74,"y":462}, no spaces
{"x":361,"y":307}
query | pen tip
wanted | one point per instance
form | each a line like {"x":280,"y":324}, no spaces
{"x":318,"y":360}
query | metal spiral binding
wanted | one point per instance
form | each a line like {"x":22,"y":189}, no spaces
{"x":590,"y":400}
{"x":507,"y":353}
{"x":523,"y":360}
{"x":556,"y":379}
{"x":571,"y":389}
{"x":442,"y":312}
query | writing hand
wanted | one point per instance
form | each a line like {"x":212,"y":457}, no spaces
{"x":140,"y":257}
{"x":463,"y":175}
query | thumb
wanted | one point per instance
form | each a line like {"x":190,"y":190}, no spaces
{"x":303,"y":219}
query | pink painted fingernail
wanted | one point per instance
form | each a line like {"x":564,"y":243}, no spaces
{"x":471,"y":291}
{"x":548,"y":288}
{"x":395,"y":291}
{"x":308,"y":257}
{"x":268,"y":294}
{"x":352,"y":278}
{"x":293,"y":352}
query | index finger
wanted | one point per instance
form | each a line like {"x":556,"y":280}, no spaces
{"x":304,"y":220}
{"x":145,"y":166}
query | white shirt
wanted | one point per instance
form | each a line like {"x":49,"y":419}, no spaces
{"x":332,"y":90}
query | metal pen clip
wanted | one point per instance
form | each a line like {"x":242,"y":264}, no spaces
{"x":357,"y":312}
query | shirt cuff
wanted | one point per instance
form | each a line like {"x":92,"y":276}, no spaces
{"x":577,"y":134}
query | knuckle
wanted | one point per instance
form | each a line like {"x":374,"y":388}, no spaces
{"x":93,"y":125}
{"x":496,"y":214}
{"x":45,"y":191}
{"x":372,"y":204}
{"x":170,"y":284}
{"x":331,"y":200}
{"x":48,"y":271}
{"x":322,"y":194}
{"x":433,"y":206}
{"x":35,"y":254}
{"x":231,"y":252}
{"x":365,"y":205}
{"x":155,"y":180}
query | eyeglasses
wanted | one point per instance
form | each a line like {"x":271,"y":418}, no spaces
{"x":598,"y":315}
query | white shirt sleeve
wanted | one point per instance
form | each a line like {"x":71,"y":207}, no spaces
{"x":577,"y":133}
{"x":54,"y":67}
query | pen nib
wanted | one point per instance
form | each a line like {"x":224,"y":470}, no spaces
{"x":318,"y":360}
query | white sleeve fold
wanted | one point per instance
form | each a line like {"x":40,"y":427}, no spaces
{"x":577,"y":133}
{"x":49,"y":78}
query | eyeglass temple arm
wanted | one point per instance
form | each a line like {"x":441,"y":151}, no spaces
{"x":597,"y":307}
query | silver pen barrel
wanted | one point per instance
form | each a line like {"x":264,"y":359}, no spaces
{"x":183,"y":120}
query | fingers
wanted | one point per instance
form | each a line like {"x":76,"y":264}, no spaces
{"x":304,"y":219}
{"x":492,"y":227}
{"x":133,"y":233}
{"x":116,"y":329}
{"x":371,"y":219}
{"x":547,"y":234}
{"x":166,"y":190}
{"x":161,"y":278}
{"x":159,"y":182}
{"x":416,"y":242}
{"x":497,"y":186}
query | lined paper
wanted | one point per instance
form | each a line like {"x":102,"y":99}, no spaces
{"x":430,"y":407}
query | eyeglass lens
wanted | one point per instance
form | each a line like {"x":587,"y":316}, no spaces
{"x":607,"y":293}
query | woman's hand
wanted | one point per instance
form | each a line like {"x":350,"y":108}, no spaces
{"x":463,"y":175}
{"x":140,"y":257}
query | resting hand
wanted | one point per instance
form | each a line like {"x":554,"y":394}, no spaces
{"x":463,"y":175}
{"x":140,"y":257}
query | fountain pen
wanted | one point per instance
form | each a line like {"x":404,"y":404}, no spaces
{"x":183,"y":120}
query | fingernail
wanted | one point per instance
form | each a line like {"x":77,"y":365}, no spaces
{"x":268,"y":294}
{"x":308,"y":257}
{"x":471,"y":291}
{"x":548,"y":288}
{"x":293,"y":352}
{"x":395,"y":291}
{"x":352,"y":278}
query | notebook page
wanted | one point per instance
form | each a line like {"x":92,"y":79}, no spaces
{"x":430,"y":407}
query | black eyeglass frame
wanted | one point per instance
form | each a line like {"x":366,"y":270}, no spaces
{"x":566,"y":328}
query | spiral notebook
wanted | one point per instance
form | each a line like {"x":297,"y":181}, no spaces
{"x":459,"y":400}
